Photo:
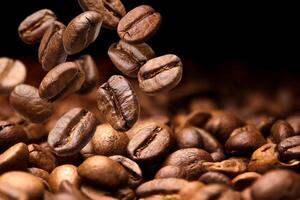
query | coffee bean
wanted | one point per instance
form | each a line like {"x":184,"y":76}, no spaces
{"x":25,"y":100}
{"x":245,"y":180}
{"x":289,"y":148}
{"x":12,"y":73}
{"x":90,"y":70}
{"x":72,"y":131}
{"x":281,"y":130}
{"x":118,"y":103}
{"x":81,"y":32}
{"x":51,"y":50}
{"x":41,"y":158}
{"x":170,"y":172}
{"x":111,"y":11}
{"x":139,"y":24}
{"x":125,"y":193}
{"x":88,"y":150}
{"x":160,"y":74}
{"x":190,"y":189}
{"x":294,"y":121}
{"x":217,"y":191}
{"x":23,"y":182}
{"x":64,"y":173}
{"x":128,"y":58}
{"x":39,"y":173}
{"x":152,"y":142}
{"x":14,"y":158}
{"x":106,"y":172}
{"x":264,"y":124}
{"x":62,"y":80}
{"x":34,"y":132}
{"x":215,"y":177}
{"x":196,"y":118}
{"x":33,"y":27}
{"x":95,"y":193}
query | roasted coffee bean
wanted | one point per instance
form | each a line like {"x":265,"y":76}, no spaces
{"x":39,"y":173}
{"x":111,"y":11}
{"x":215,"y":177}
{"x":188,"y":138}
{"x":23,"y":182}
{"x":263,"y":124}
{"x":212,"y":191}
{"x":133,"y":169}
{"x":275,"y":185}
{"x":139,"y":24}
{"x":25,"y":100}
{"x":12,"y":73}
{"x":152,"y":142}
{"x":11,"y":134}
{"x":244,"y":140}
{"x":190,"y":189}
{"x":64,"y":173}
{"x":81,"y":32}
{"x":245,"y":180}
{"x":91,"y":73}
{"x":289,"y":148}
{"x":281,"y":130}
{"x":88,"y":150}
{"x":32,"y":28}
{"x":72,"y":131}
{"x":51,"y":50}
{"x":160,"y":186}
{"x":294,"y":121}
{"x":118,"y":103}
{"x":128,"y":58}
{"x":95,"y":193}
{"x":170,"y":172}
{"x":106,"y":173}
{"x":34,"y":132}
{"x":125,"y":193}
{"x":61,"y":81}
{"x":14,"y":158}
{"x":41,"y":158}
{"x":160,"y":74}
{"x":196,"y":118}
{"x":107,"y":141}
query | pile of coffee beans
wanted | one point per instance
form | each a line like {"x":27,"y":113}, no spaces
{"x":137,"y":135}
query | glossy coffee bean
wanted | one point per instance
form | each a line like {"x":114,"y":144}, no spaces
{"x":41,"y":158}
{"x":160,"y":74}
{"x":51,"y":50}
{"x":64,"y":173}
{"x":150,"y":143}
{"x":139,"y":24}
{"x":91,"y":73}
{"x":81,"y":32}
{"x":25,"y":100}
{"x":106,"y":172}
{"x":62,"y":80}
{"x":39,"y":173}
{"x":289,"y":148}
{"x":111,"y":11}
{"x":128,"y":58}
{"x":281,"y":130}
{"x":170,"y":172}
{"x":215,"y":177}
{"x":14,"y":158}
{"x":72,"y":131}
{"x":107,"y":141}
{"x":118,"y":103}
{"x":32,"y":28}
{"x":12,"y":73}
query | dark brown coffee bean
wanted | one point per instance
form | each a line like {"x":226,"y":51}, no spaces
{"x":289,"y":148}
{"x":281,"y":130}
{"x":41,"y":158}
{"x":139,"y":24}
{"x":276,"y":185}
{"x":72,"y":131}
{"x":23,"y":182}
{"x":12,"y":73}
{"x":215,"y":177}
{"x":64,"y":173}
{"x":111,"y":11}
{"x":128,"y":58}
{"x":81,"y":32}
{"x":294,"y":121}
{"x":170,"y":172}
{"x":61,"y":81}
{"x":26,"y":101}
{"x":51,"y":50}
{"x":188,"y":138}
{"x":160,"y":74}
{"x":118,"y":103}
{"x":106,"y":172}
{"x":152,"y":142}
{"x":263,"y":124}
{"x":39,"y":173}
{"x":244,"y":140}
{"x":133,"y":169}
{"x":245,"y":180}
{"x":107,"y":141}
{"x":91,"y":73}
{"x":14,"y":158}
{"x":32,"y":28}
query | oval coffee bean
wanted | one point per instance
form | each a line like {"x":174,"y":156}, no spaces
{"x":214,"y":177}
{"x":32,"y":28}
{"x":139,"y":24}
{"x":41,"y":158}
{"x":281,"y":130}
{"x":128,"y":58}
{"x":72,"y":132}
{"x":81,"y":32}
{"x":25,"y":100}
{"x":51,"y":50}
{"x":106,"y":172}
{"x":118,"y":103}
{"x":245,"y":180}
{"x":294,"y":121}
{"x":289,"y":148}
{"x":170,"y":172}
{"x":190,"y":189}
{"x":61,"y":81}
{"x":151,"y":142}
{"x":160,"y":74}
{"x":111,"y":11}
{"x":12,"y":73}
